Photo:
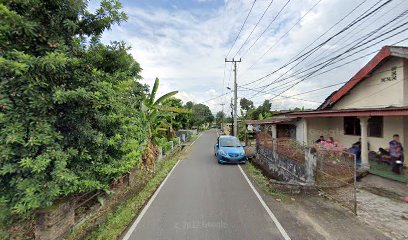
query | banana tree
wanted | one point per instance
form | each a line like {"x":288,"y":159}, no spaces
{"x":156,"y":115}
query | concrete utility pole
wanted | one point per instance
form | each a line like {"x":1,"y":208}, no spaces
{"x":235,"y":96}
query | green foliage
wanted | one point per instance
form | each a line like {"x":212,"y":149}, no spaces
{"x":117,"y":221}
{"x":200,"y":115}
{"x":261,"y":112}
{"x":189,"y":105}
{"x":164,"y":144}
{"x":182,"y":115}
{"x":156,"y":117}
{"x":246,"y":104}
{"x":219,"y":117}
{"x":70,"y":117}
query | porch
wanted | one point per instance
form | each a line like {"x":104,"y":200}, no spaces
{"x":374,"y":128}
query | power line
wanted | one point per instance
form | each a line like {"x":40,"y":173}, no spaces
{"x":215,"y":97}
{"x":337,"y":59}
{"x":281,"y":95}
{"x":333,"y":60}
{"x":253,"y":29}
{"x":240,"y":30}
{"x":308,"y":53}
{"x":343,"y":65}
{"x":346,"y":41}
{"x":273,"y":20}
{"x":287,"y":32}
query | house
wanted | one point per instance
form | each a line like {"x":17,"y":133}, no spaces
{"x":372,"y":105}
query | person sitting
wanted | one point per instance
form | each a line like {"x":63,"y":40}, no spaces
{"x":320,"y":140}
{"x":385,"y":155}
{"x":396,"y":154}
{"x":356,"y":149}
{"x":330,"y":140}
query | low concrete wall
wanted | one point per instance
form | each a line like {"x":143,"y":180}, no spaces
{"x":55,"y":222}
{"x":284,"y":169}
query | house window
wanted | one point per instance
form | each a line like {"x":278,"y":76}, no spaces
{"x":352,"y":126}
{"x":375,"y":127}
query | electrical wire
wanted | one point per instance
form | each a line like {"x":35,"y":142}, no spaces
{"x":273,"y":20}
{"x":240,"y":30}
{"x":253,"y":29}
{"x":308,"y":53}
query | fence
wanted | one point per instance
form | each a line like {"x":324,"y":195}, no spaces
{"x":265,"y":140}
{"x":284,"y":159}
{"x":291,"y":149}
{"x":331,"y":170}
{"x":336,"y":176}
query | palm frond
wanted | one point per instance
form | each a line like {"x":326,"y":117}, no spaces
{"x":154,"y":91}
{"x":174,"y":109}
{"x":165,"y":96}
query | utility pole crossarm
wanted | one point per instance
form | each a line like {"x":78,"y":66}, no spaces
{"x":235,"y":96}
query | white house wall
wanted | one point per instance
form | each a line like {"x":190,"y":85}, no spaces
{"x":405,"y":136}
{"x":334,"y":127}
{"x":300,"y":125}
{"x":406,"y":82}
{"x":374,"y":92}
{"x":316,"y":127}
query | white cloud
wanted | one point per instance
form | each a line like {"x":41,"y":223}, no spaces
{"x":186,"y":49}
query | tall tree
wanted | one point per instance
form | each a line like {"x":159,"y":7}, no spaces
{"x":189,"y":105}
{"x":246,"y":104}
{"x":70,"y":117}
{"x":263,"y":110}
{"x":155,"y":118}
{"x":200,"y":115}
{"x":219,"y":117}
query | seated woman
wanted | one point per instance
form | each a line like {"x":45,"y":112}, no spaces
{"x":330,"y":140}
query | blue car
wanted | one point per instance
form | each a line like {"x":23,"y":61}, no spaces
{"x":228,"y":149}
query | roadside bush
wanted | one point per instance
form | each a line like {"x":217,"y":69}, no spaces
{"x":70,"y":118}
{"x":164,"y":144}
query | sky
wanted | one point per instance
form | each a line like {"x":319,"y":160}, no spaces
{"x":184,"y":44}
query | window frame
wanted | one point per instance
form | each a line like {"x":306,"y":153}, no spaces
{"x":381,"y":122}
{"x":356,"y":126}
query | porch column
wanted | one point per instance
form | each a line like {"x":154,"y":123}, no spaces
{"x":364,"y":143}
{"x":305,"y":131}
{"x":273,"y":128}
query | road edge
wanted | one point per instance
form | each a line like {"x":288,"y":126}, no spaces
{"x":147,"y":206}
{"x":132,"y":228}
{"x":265,"y":206}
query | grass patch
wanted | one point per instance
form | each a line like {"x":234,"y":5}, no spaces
{"x":263,"y":182}
{"x":194,"y":137}
{"x":118,"y":220}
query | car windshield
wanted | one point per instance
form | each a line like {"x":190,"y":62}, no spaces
{"x":229,"y":142}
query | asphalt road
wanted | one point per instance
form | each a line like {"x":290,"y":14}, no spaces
{"x":204,"y":200}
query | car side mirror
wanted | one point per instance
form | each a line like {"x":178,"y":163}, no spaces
{"x":216,"y":145}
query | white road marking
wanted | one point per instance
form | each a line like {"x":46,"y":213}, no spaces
{"x":142,"y":213}
{"x":274,"y":219}
{"x":196,"y":140}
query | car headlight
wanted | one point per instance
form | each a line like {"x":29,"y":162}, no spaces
{"x":243,"y":152}
{"x":222,"y":153}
